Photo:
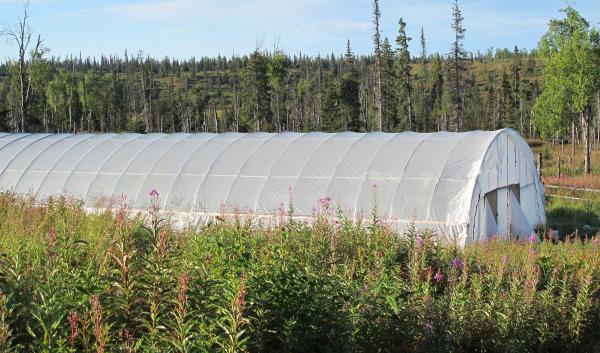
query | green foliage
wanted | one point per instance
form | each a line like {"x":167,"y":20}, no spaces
{"x":572,"y":50}
{"x":269,"y":92}
{"x":350,"y":91}
{"x":255,"y":109}
{"x":404,"y":78}
{"x":333,"y":119}
{"x":110,"y":281}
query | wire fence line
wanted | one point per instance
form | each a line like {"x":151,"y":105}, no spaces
{"x":571,"y":188}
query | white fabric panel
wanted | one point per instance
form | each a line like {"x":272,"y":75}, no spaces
{"x":287,"y":170}
{"x":15,"y":155}
{"x":351,"y":173}
{"x":215,"y":189}
{"x":489,"y":223}
{"x":504,"y":212}
{"x":39,"y":169}
{"x":253,"y":175}
{"x":7,"y":140}
{"x":519,"y":224}
{"x":56,"y":179}
{"x":385,"y":172}
{"x":318,"y":172}
{"x":365,"y":155}
{"x":182,"y":194}
{"x":458,"y":179}
{"x":140,"y":167}
{"x":24,"y":164}
{"x":80,"y":180}
{"x":115,"y":166}
{"x":169,"y":167}
{"x":421,"y":176}
{"x":188,"y":192}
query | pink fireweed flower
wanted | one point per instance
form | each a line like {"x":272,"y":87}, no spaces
{"x":325,"y":203}
{"x":419,"y":241}
{"x":73,"y":322}
{"x":438,"y":277}
{"x":457,"y":262}
{"x":52,"y":238}
{"x":533,"y":238}
{"x":504,"y":259}
{"x":154,"y":193}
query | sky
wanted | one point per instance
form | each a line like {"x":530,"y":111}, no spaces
{"x":186,"y":28}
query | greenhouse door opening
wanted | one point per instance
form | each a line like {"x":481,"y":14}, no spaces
{"x":504,"y":217}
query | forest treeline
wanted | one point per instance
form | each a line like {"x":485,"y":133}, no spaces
{"x":389,"y":90}
{"x":267,"y":92}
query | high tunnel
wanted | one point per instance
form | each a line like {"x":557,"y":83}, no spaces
{"x":466,"y":187}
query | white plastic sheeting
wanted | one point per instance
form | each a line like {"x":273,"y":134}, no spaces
{"x":436,"y":180}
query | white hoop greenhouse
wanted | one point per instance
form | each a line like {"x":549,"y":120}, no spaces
{"x":464,"y":186}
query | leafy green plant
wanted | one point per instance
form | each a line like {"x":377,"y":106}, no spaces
{"x":72,"y":281}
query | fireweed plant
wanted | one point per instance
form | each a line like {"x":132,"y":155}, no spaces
{"x":115,"y":281}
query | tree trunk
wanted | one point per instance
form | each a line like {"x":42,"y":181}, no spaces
{"x":572,"y":143}
{"x":586,"y":118}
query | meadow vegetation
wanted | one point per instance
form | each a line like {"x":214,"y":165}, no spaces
{"x":573,"y":198}
{"x":72,"y":281}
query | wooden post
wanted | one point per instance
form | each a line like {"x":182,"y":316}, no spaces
{"x":558,"y":169}
{"x":539,"y":164}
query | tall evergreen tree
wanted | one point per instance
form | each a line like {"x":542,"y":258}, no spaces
{"x":448,"y":103}
{"x":437,"y":89}
{"x":277,"y":74}
{"x":389,"y":89}
{"x":425,"y":82}
{"x":332,"y":117}
{"x":350,"y":92}
{"x":255,"y":110}
{"x":458,"y":55}
{"x":404,"y":84}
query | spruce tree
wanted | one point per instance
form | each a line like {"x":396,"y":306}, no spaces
{"x":389,"y":94}
{"x":255,"y":110}
{"x":457,"y":56}
{"x":403,"y":73}
{"x":425,"y":82}
{"x":350,"y":92}
{"x":277,"y":74}
{"x":437,"y":89}
{"x":332,"y":118}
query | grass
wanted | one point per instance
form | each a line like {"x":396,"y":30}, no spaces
{"x":573,"y":216}
{"x":570,"y":209}
{"x":113,"y":281}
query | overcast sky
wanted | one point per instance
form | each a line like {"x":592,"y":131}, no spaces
{"x":185,"y":28}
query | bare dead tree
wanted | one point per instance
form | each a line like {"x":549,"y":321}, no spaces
{"x":21,"y":34}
